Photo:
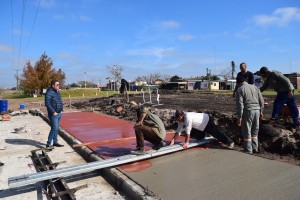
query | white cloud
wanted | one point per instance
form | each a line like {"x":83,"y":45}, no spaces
{"x":186,"y":37}
{"x":170,"y":24}
{"x":279,"y":17}
{"x":5,"y":48}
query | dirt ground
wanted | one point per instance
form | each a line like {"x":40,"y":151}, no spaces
{"x":276,"y":143}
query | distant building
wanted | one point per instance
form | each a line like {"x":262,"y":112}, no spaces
{"x":295,"y":80}
{"x":193,"y":83}
{"x":102,"y":87}
{"x":174,"y":86}
{"x":228,"y":84}
{"x":212,"y":85}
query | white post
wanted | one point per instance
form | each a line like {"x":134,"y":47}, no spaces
{"x":157,"y":95}
{"x":150,"y":96}
{"x":143,"y":95}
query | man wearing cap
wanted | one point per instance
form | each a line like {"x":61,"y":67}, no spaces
{"x":248,"y":76}
{"x":285,"y":94}
{"x":249,"y":104}
{"x":199,"y":124}
{"x":148,"y":127}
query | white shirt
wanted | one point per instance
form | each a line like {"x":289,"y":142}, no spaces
{"x":193,"y":120}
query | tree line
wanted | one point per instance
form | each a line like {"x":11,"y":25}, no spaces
{"x":37,"y":77}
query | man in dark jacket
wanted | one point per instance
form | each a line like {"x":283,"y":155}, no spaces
{"x":285,"y":94}
{"x":247,"y":75}
{"x":54,"y":106}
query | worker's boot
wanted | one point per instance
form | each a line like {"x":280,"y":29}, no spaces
{"x":138,"y":151}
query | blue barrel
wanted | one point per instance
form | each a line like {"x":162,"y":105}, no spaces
{"x":3,"y":106}
{"x":22,"y":106}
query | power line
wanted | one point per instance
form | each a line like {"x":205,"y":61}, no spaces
{"x":12,"y":32}
{"x":20,"y":44}
{"x":33,"y":26}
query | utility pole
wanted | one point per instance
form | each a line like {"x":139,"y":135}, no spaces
{"x":84,"y":79}
{"x":232,"y":69}
{"x":17,"y":88}
{"x":209,"y":86}
{"x":208,"y":77}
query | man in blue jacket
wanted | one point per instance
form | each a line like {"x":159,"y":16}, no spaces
{"x":54,"y":106}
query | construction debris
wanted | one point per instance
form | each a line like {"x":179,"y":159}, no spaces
{"x":5,"y":117}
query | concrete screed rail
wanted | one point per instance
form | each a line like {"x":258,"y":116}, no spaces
{"x":84,"y":168}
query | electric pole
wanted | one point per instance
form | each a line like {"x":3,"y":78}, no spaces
{"x":17,"y":88}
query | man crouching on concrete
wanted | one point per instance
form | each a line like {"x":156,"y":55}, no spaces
{"x":148,"y":127}
{"x":200,"y":124}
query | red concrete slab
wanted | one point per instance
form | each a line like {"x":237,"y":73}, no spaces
{"x":114,"y":137}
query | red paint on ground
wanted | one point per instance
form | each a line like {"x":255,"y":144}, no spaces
{"x":92,"y":127}
{"x":137,"y":166}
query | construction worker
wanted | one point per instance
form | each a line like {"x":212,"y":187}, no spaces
{"x":249,"y":77}
{"x":199,"y":124}
{"x":148,"y":127}
{"x":285,"y":94}
{"x":250,"y":105}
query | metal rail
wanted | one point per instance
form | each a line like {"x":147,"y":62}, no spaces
{"x":32,"y":178}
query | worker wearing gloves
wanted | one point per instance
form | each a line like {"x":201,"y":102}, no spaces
{"x":200,"y":124}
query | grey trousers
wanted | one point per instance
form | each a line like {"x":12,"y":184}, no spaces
{"x":250,"y":128}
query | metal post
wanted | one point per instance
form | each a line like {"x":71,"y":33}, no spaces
{"x":84,"y":168}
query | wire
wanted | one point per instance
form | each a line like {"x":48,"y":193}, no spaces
{"x":33,"y":26}
{"x":12,"y":32}
{"x":20,"y":44}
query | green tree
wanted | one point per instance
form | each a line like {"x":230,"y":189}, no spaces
{"x":175,"y":78}
{"x":38,"y":77}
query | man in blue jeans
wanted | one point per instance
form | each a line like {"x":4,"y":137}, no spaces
{"x":54,"y":106}
{"x":285,"y":94}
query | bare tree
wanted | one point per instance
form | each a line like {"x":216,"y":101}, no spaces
{"x":226,"y":74}
{"x":116,"y":71}
{"x":152,"y":77}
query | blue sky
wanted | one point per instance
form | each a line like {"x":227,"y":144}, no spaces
{"x":170,"y":37}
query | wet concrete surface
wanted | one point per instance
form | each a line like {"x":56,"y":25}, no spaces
{"x":219,"y":174}
{"x":198,"y":173}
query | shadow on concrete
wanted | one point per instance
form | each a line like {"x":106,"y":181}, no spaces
{"x":34,"y":143}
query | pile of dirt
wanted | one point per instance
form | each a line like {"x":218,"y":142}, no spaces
{"x":278,"y":142}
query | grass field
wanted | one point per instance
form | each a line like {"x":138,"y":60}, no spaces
{"x":76,"y":93}
{"x":93,"y":92}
